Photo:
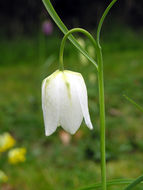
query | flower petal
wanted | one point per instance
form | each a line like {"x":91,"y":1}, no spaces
{"x":70,"y":110}
{"x":82,"y":95}
{"x":50,"y":103}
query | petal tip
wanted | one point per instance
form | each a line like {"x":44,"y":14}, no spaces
{"x":48,"y":133}
{"x":90,"y":126}
{"x":72,"y":133}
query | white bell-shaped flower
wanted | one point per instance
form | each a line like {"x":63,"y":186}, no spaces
{"x":64,"y":102}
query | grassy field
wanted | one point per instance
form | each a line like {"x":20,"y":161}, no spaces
{"x":51,"y":165}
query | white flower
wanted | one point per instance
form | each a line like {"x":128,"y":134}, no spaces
{"x":64,"y":102}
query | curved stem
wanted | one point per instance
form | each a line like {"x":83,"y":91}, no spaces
{"x":101,"y":99}
{"x":103,"y":18}
{"x":64,"y":40}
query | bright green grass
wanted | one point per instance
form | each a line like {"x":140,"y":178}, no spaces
{"x":50,"y":165}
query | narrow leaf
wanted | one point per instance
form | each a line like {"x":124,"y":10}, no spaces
{"x":134,"y":103}
{"x":134,"y":183}
{"x":109,"y":183}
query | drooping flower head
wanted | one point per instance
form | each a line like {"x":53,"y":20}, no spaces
{"x":6,"y":142}
{"x":64,"y":102}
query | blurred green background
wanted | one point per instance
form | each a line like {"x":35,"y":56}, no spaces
{"x":28,"y":55}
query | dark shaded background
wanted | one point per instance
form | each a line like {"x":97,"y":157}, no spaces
{"x":25,"y":16}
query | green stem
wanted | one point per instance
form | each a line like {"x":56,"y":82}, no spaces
{"x":66,"y":37}
{"x":102,"y":117}
{"x":103,"y":18}
{"x":101,"y":98}
{"x":101,"y":95}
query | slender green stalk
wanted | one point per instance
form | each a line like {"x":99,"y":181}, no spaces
{"x":86,"y":33}
{"x":101,"y":99}
{"x":101,"y":95}
{"x":103,"y":18}
{"x":102,"y":117}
